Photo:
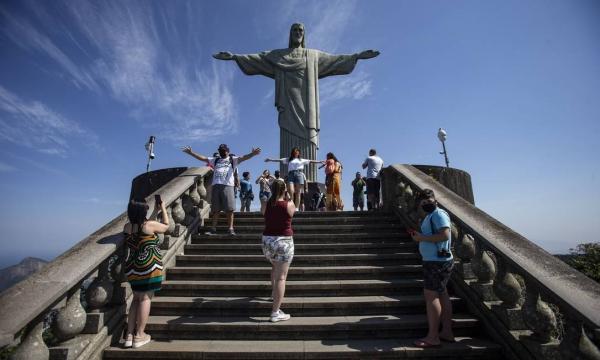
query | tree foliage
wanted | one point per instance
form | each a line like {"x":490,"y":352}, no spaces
{"x":586,"y":259}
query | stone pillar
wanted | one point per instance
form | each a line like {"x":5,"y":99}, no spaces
{"x":32,"y":347}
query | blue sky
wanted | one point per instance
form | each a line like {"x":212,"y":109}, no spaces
{"x":515,"y":83}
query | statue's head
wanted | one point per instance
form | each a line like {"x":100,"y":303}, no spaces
{"x":296,"y":36}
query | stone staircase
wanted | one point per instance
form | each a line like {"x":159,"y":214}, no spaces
{"x":354,"y":290}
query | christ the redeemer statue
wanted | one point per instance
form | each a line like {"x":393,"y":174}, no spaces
{"x":296,"y":71}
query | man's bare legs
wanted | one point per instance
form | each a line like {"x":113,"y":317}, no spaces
{"x":439,"y":308}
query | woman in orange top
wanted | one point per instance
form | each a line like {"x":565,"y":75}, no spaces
{"x":333,"y":182}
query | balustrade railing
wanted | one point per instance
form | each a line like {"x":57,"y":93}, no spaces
{"x":46,"y":316}
{"x":532,"y":303}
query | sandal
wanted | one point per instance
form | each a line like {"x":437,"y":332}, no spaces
{"x":424,"y":344}
{"x":444,"y":339}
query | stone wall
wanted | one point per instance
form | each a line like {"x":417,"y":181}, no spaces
{"x":457,"y":180}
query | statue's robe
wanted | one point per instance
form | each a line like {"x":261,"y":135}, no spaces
{"x":296,"y":72}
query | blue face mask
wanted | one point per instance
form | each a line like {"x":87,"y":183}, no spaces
{"x":429,"y":208}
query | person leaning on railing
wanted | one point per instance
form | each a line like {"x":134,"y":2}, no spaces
{"x":143,"y":267}
{"x":434,"y":245}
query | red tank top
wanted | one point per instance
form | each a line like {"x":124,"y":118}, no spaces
{"x":277,"y":220}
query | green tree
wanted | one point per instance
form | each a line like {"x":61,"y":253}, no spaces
{"x":586,"y":258}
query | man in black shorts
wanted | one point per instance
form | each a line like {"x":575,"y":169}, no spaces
{"x":373,"y":164}
{"x":434,"y":245}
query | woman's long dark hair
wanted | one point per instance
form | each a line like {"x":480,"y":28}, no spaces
{"x":292,"y":157}
{"x":277,"y":191}
{"x":136,"y":212}
{"x":331,"y":156}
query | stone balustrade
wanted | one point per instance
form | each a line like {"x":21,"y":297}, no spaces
{"x":46,"y":317}
{"x":532,"y":303}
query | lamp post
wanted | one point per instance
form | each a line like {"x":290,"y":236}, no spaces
{"x":150,"y":149}
{"x":442,"y":136}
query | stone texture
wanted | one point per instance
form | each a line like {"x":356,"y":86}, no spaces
{"x":32,"y":347}
{"x":511,"y":318}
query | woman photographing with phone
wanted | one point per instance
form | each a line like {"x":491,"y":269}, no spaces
{"x":143,"y":267}
{"x":278,"y":244}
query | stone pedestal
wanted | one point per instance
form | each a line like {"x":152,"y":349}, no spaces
{"x":512,"y":318}
{"x":313,"y":188}
{"x":179,"y":229}
{"x":545,"y":351}
{"x":484,"y":290}
{"x":97,"y":319}
{"x":70,"y":349}
{"x":168,"y":242}
{"x":465,"y":270}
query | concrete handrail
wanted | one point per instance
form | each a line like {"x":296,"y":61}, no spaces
{"x":569,"y":287}
{"x":31,"y":298}
{"x":531,"y":302}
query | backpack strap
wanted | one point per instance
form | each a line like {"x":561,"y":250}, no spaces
{"x":433,"y":232}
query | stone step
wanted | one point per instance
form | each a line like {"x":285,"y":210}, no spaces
{"x":467,"y":348}
{"x":317,"y":220}
{"x":305,"y":249}
{"x":301,"y":260}
{"x":300,"y":328}
{"x":295,"y":306}
{"x":299,"y":239}
{"x":293,"y":288}
{"x":322,"y":214}
{"x":310,"y":228}
{"x":295,"y":272}
{"x":325,"y":237}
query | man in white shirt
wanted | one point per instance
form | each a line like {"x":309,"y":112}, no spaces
{"x":223,"y":183}
{"x":373,"y":164}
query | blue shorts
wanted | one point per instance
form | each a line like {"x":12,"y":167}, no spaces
{"x":296,"y":177}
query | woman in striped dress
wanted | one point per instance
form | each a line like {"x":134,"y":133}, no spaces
{"x":143,"y":267}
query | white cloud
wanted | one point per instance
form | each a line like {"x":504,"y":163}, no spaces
{"x":32,"y":124}
{"x":325,"y":21}
{"x":151,"y":71}
{"x":26,"y":36}
{"x":355,"y":86}
{"x":98,"y":201}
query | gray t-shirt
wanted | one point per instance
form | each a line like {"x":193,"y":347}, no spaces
{"x":374,"y":165}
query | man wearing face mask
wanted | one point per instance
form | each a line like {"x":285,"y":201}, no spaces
{"x":434,"y":245}
{"x":223,"y":182}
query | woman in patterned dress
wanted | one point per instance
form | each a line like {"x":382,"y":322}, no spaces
{"x":143,"y":267}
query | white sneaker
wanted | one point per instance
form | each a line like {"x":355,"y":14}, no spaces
{"x":279,"y":316}
{"x":128,"y":341}
{"x":141,"y":341}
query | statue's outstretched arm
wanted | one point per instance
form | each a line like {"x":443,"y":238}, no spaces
{"x":223,"y":55}
{"x":367,"y":54}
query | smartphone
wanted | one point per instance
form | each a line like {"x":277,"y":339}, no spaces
{"x":157,"y":199}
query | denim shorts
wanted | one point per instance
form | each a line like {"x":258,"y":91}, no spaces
{"x":296,"y":177}
{"x":264,"y":195}
{"x":436,"y":275}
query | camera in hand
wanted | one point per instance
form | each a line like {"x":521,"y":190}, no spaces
{"x":443,"y":253}
{"x":157,"y":199}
